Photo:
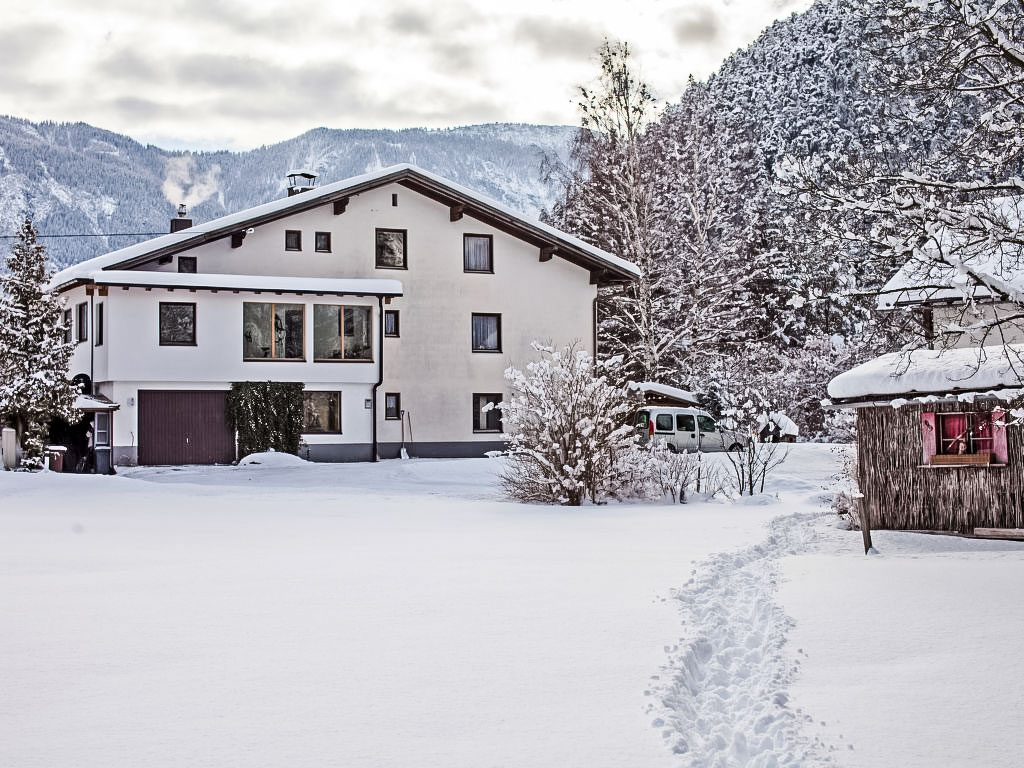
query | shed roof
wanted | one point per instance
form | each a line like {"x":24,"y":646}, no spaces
{"x":431,"y":185}
{"x":664,"y":391}
{"x":927,"y":374}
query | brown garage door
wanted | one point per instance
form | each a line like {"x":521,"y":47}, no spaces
{"x":184,"y":427}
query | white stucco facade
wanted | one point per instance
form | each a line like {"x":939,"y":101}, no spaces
{"x":431,"y":364}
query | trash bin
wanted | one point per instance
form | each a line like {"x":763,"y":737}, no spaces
{"x":55,"y":457}
{"x":103,"y":461}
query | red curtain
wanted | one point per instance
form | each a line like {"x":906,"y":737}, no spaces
{"x":954,"y":433}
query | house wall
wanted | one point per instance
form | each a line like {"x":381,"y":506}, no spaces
{"x":900,"y":493}
{"x":960,"y":315}
{"x":431,"y":365}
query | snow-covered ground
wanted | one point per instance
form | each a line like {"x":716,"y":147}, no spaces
{"x":405,"y":614}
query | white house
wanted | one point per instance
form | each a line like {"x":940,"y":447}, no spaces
{"x":397,"y":298}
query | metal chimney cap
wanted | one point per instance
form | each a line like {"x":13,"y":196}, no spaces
{"x":182,"y":211}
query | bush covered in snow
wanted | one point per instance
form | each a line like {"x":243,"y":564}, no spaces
{"x":267,"y":415}
{"x":569,"y":431}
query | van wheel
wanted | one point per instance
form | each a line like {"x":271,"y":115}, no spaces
{"x":671,"y":448}
{"x":736,"y":447}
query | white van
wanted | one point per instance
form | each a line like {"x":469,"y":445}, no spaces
{"x":685,"y":429}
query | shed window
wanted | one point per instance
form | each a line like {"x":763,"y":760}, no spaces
{"x":978,"y":435}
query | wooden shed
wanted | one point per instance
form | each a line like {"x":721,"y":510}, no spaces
{"x":937,"y":446}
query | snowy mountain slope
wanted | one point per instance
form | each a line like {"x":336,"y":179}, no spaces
{"x":77,"y":179}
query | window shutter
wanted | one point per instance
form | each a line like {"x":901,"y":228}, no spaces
{"x":928,"y":437}
{"x":999,"y":451}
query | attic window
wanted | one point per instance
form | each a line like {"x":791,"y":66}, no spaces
{"x":323,"y":242}
{"x":394,"y":199}
{"x":187,"y":264}
{"x":292,"y":240}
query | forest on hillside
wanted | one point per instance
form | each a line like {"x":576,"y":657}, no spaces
{"x":769,"y":204}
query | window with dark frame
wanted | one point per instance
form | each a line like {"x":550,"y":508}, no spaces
{"x":486,"y":414}
{"x":392,"y":406}
{"x":177,"y":324}
{"x":321,"y":413}
{"x":292,"y":240}
{"x":99,"y":325}
{"x":964,"y":438}
{"x":322,"y":242}
{"x":342,"y":333}
{"x":964,"y":433}
{"x":391,"y":247}
{"x":394,"y":199}
{"x":391,"y":324}
{"x":272,"y":331}
{"x":82,"y":321}
{"x":478,"y":253}
{"x":486,"y":332}
{"x":69,"y":330}
{"x":187,"y":264}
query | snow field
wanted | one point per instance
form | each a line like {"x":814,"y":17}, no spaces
{"x":363,"y":615}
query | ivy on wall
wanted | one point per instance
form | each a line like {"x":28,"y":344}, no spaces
{"x":266,"y":414}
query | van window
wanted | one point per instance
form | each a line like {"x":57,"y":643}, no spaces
{"x":707,"y":424}
{"x":684,"y":423}
{"x":664,"y":422}
{"x":643,"y":418}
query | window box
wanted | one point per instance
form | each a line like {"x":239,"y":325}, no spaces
{"x":177,"y":324}
{"x":342,"y":333}
{"x":486,"y":332}
{"x":292,"y":240}
{"x":391,"y":249}
{"x":321,"y":413}
{"x":486,"y":414}
{"x":273,"y":331}
{"x":322,"y":242}
{"x":478,"y":253}
{"x":391,"y":324}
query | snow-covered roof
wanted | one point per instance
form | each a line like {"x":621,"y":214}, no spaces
{"x":957,"y":264}
{"x":285,"y":284}
{"x":95,"y":403}
{"x":225,"y":225}
{"x":663,"y":389}
{"x":975,"y":371}
{"x":785,"y":424}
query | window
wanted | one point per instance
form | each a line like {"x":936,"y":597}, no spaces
{"x":68,"y":327}
{"x":394,"y":199}
{"x":292,"y":240}
{"x":486,"y":333}
{"x":964,"y":438}
{"x":342,"y":333}
{"x":99,"y":326}
{"x":663,"y":422}
{"x":477,"y":253}
{"x":392,"y":405}
{"x":177,"y":324}
{"x":391,"y":249}
{"x":321,"y":413}
{"x":486,"y":414}
{"x":391,"y":326}
{"x":187,"y":264}
{"x":101,"y":431}
{"x":83,"y":321}
{"x":273,"y":331}
{"x":685,"y":423}
{"x":706,"y":424}
{"x":322,"y":242}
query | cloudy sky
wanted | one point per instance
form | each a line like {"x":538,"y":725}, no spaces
{"x":206,"y":74}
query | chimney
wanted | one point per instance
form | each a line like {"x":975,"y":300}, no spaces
{"x":300,"y":180}
{"x":181,"y":222}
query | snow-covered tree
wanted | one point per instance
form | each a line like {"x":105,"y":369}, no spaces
{"x":608,"y":201}
{"x":569,"y":431}
{"x":34,"y":355}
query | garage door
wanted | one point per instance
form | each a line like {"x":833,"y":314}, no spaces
{"x":184,"y":427}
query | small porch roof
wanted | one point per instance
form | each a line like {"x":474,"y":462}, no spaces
{"x":93,"y":403}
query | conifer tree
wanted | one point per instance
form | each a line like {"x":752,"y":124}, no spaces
{"x":34,"y":355}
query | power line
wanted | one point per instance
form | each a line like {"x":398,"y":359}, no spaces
{"x":93,"y":234}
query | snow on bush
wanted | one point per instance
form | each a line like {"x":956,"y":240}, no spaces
{"x":272,"y":458}
{"x":569,"y":431}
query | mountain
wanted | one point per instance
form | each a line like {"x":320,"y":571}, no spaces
{"x":74,"y":179}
